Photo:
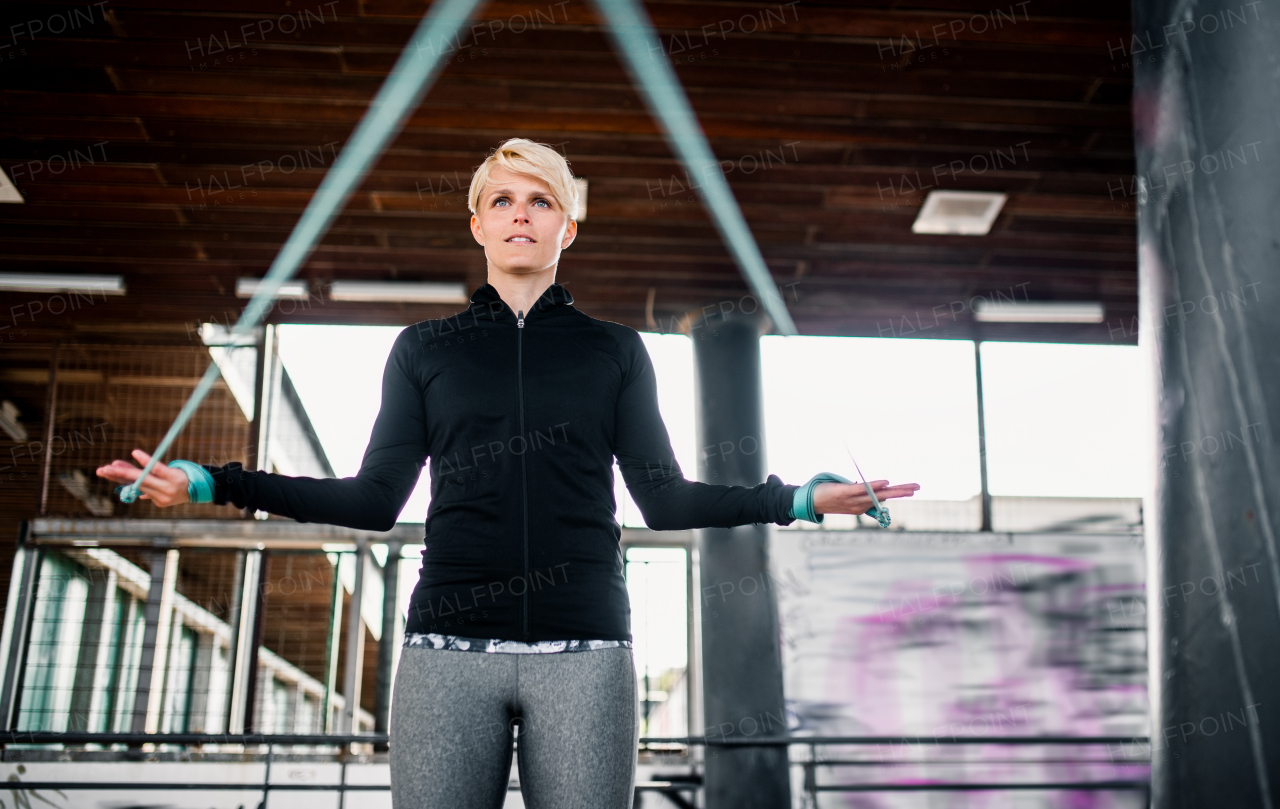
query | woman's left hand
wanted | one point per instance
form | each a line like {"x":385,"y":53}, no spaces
{"x":852,"y":498}
{"x":165,"y":485}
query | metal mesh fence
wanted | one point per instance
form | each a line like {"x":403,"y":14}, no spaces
{"x":113,"y":399}
{"x":84,"y":650}
{"x":127,"y":639}
{"x":208,"y":589}
{"x":301,"y":633}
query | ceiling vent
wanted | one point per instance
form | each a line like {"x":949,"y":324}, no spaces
{"x":966,"y":213}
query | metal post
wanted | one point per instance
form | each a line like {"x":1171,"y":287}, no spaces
{"x":742,"y":662}
{"x":50,"y":412}
{"x":233,"y":643}
{"x":17,"y":624}
{"x":244,"y":658}
{"x":693,"y":637}
{"x":255,"y":634}
{"x":329,"y":721}
{"x":266,"y":776}
{"x":355,"y":643}
{"x":155,"y":649}
{"x":259,"y":429}
{"x":390,"y":630}
{"x":982,"y":438}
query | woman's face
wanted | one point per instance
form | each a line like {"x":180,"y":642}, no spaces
{"x":521,"y":227}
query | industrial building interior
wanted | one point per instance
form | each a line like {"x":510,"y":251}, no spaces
{"x":930,"y":174}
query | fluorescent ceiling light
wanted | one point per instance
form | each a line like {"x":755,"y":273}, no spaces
{"x":966,"y":213}
{"x":247,"y":287}
{"x":216,"y":334}
{"x":581,"y":182}
{"x":40,"y":282}
{"x":8,"y":191}
{"x":398,"y":292}
{"x":1038,"y":311}
{"x":77,"y":483}
{"x":9,"y":421}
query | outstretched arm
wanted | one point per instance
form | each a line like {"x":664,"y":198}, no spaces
{"x":670,"y":502}
{"x":653,"y":476}
{"x":370,"y":500}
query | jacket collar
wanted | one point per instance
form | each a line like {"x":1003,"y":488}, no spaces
{"x":554,"y":297}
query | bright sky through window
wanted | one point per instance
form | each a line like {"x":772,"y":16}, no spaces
{"x":1062,"y":420}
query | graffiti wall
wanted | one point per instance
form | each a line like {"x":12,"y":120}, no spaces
{"x":896,"y":634}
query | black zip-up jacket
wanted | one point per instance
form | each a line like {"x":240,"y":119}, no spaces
{"x":521,"y":415}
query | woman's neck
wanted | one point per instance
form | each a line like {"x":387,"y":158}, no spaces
{"x":521,"y":291}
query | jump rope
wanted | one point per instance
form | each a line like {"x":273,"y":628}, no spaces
{"x":420,"y":63}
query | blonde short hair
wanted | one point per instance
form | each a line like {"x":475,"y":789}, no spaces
{"x":523,"y":156}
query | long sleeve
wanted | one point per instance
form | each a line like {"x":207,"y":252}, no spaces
{"x":373,"y":499}
{"x":666,"y":499}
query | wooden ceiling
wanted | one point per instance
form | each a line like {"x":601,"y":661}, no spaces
{"x":171,"y":157}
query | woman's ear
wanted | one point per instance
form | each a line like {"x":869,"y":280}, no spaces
{"x":570,"y":233}
{"x":476,"y":230}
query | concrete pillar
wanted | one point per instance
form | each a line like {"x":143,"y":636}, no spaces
{"x":741,"y":659}
{"x":1208,"y":170}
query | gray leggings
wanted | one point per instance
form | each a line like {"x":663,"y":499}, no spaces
{"x":451,"y":728}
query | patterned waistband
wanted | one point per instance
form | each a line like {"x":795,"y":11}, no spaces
{"x":494,"y":646}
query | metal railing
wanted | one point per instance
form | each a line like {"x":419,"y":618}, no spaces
{"x":673,"y":787}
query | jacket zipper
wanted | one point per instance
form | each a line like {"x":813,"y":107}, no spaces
{"x":524,"y":477}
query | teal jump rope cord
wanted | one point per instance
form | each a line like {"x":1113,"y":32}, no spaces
{"x":419,"y":64}
{"x":633,"y":35}
{"x":414,"y":72}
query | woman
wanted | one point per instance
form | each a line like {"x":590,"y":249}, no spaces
{"x":520,"y":618}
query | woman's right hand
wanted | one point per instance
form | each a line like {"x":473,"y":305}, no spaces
{"x":164,"y":486}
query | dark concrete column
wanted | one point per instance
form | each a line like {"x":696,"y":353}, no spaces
{"x":741,"y":660}
{"x":1208,"y":170}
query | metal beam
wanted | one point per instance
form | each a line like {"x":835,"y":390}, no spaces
{"x":252,"y":534}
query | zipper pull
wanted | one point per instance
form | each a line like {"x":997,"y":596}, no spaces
{"x":520,"y":319}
